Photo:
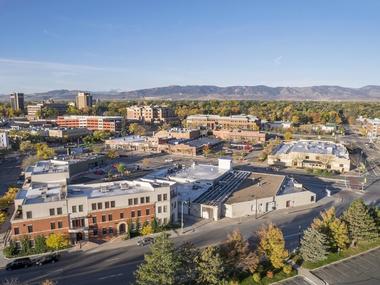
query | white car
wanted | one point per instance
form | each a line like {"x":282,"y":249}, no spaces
{"x":169,"y":160}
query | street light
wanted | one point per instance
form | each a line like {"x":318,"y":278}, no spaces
{"x":183,"y":203}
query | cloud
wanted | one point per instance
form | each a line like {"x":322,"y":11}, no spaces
{"x":278,"y":60}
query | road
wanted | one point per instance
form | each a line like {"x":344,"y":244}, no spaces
{"x":115,"y":263}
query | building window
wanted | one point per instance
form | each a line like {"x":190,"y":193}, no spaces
{"x":159,"y":209}
{"x":16,"y":231}
{"x":159,"y":197}
{"x":52,"y":212}
{"x":104,"y":231}
{"x":74,"y":209}
{"x":311,"y":198}
{"x":165,"y":209}
{"x":80,"y":208}
{"x":106,"y":205}
{"x":93,"y":206}
{"x":165,"y":221}
{"x":112,"y":204}
{"x":132,"y":214}
{"x":95,"y":232}
{"x":147,"y":199}
{"x":147,"y":212}
{"x":94,"y":220}
{"x":138,"y":213}
{"x":136,"y":201}
{"x":52,"y":226}
{"x":30,"y":229}
{"x":110,"y":217}
{"x":130,"y":202}
{"x":100,"y":206}
{"x":29,"y":215}
{"x":103,"y":218}
{"x":59,"y":211}
{"x":142,"y":200}
{"x":121,"y":215}
{"x":165,"y":197}
{"x":110,"y":230}
{"x":60,"y":225}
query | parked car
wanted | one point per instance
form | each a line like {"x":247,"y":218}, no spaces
{"x":19,"y":263}
{"x":145,"y":241}
{"x":51,"y":258}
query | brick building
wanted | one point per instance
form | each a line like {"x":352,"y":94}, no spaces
{"x":214,"y":122}
{"x":151,"y":114}
{"x":101,"y":123}
{"x":91,"y":211}
{"x":241,"y":136}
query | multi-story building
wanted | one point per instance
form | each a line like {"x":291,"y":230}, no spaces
{"x":214,"y":122}
{"x":17,"y":101}
{"x":150,"y":114}
{"x":311,"y":154}
{"x":34,"y":110}
{"x":178,"y":133}
{"x":241,"y":136}
{"x":91,"y":211}
{"x":101,"y":123}
{"x":372,"y":127}
{"x":83,"y":100}
{"x":68,"y":133}
{"x":4,"y":140}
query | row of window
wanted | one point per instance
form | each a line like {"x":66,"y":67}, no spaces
{"x":163,"y":209}
{"x":110,"y":217}
{"x":99,"y":206}
{"x":53,"y":226}
{"x":53,"y":211}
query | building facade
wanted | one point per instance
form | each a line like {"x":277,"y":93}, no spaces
{"x":151,"y":114}
{"x":311,"y":154}
{"x":94,"y":123}
{"x":91,"y":211}
{"x":83,"y":100}
{"x":4,"y":141}
{"x":179,"y":133}
{"x":241,"y":136}
{"x":34,"y":110}
{"x":214,"y":122}
{"x":68,"y":133}
{"x":17,"y":101}
{"x":372,"y":127}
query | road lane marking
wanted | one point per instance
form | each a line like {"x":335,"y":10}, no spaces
{"x":112,"y":259}
{"x":110,"y":276}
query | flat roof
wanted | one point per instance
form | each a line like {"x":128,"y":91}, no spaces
{"x":128,"y":139}
{"x":312,"y":146}
{"x":257,"y":186}
{"x":198,"y":172}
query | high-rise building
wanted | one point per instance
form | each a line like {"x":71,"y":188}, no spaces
{"x":17,"y":101}
{"x":84,"y":100}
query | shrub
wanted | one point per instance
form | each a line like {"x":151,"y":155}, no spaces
{"x":256,"y":277}
{"x":57,"y":241}
{"x":10,"y":250}
{"x":287,"y":269}
{"x":270,"y":274}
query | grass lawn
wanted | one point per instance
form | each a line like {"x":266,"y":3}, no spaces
{"x":265,"y":280}
{"x":332,"y":257}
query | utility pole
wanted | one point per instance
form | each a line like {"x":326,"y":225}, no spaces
{"x":182,"y":224}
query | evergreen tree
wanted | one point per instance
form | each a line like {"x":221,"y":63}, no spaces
{"x":313,"y":245}
{"x":361,"y":225}
{"x":160,"y":265}
{"x":40,"y":244}
{"x":187,"y":254}
{"x":209,"y":267}
{"x":272,"y":246}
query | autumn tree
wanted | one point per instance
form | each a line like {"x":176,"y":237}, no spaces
{"x":121,"y":168}
{"x":272,"y":245}
{"x":44,"y":151}
{"x":160,"y":265}
{"x":26,"y":146}
{"x":147,"y":229}
{"x":137,"y":129}
{"x":56,"y":241}
{"x":335,"y":230}
{"x":314,"y":245}
{"x":210,"y":268}
{"x":288,"y":136}
{"x":361,"y":225}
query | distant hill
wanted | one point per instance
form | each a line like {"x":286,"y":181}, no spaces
{"x":207,"y":92}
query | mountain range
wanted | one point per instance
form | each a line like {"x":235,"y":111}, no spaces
{"x":209,"y":92}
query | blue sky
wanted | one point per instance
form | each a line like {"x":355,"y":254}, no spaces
{"x":126,"y":45}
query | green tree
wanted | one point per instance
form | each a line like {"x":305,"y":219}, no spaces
{"x":210,"y":268}
{"x":313,"y":245}
{"x":187,"y":270}
{"x":40,"y":244}
{"x":11,"y":250}
{"x":44,"y":151}
{"x":25,"y":246}
{"x":26,"y":146}
{"x":361,"y":225}
{"x":160,"y":265}
{"x":272,"y":245}
{"x":121,"y":168}
{"x":137,"y":129}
